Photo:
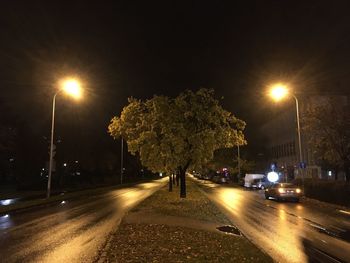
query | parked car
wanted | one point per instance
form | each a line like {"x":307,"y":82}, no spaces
{"x":283,"y":191}
{"x":207,"y":176}
{"x":220,"y":179}
{"x":249,"y":178}
{"x":198,"y":175}
{"x":195,"y":174}
{"x":261,"y":183}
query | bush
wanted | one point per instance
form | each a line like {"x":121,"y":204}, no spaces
{"x":336,"y":192}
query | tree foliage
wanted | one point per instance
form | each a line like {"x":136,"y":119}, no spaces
{"x":7,"y":150}
{"x":228,"y":158}
{"x":174,"y":134}
{"x":328,"y":126}
{"x":7,"y":139}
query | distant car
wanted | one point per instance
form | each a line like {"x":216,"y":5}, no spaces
{"x":207,"y":176}
{"x":220,"y":179}
{"x":249,"y":178}
{"x":223,"y":180}
{"x":283,"y":191}
{"x":197,"y":175}
{"x":261,"y":183}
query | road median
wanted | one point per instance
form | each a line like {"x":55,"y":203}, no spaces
{"x":165,"y":228}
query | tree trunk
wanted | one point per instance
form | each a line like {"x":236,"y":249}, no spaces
{"x":177,"y":178}
{"x":347,"y":172}
{"x":170,"y":183}
{"x":173,"y":177}
{"x":182,"y":183}
{"x":336,"y":174}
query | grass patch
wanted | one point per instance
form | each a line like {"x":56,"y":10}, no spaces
{"x":144,"y":242}
{"x":160,"y":243}
{"x":17,"y":194}
{"x":195,"y":205}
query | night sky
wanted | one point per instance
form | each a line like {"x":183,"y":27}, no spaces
{"x":140,"y":48}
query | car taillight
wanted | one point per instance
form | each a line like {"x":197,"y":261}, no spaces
{"x":281,"y":190}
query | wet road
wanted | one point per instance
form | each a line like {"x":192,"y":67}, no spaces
{"x":72,"y":231}
{"x":278,"y":227}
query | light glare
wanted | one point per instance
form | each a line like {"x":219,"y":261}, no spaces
{"x":278,"y":92}
{"x":6,"y":201}
{"x":72,"y":88}
{"x":272,"y":177}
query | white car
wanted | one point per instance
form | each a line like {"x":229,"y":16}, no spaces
{"x":249,"y":178}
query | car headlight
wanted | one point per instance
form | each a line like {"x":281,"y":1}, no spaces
{"x":281,"y":190}
{"x":298,"y":191}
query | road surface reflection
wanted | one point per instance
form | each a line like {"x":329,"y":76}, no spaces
{"x":71,"y":231}
{"x":277,"y":228}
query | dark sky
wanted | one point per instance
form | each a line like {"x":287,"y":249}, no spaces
{"x":140,"y":48}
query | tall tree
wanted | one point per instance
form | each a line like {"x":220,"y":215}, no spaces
{"x":328,"y":126}
{"x":175,"y":134}
{"x":7,"y":139}
{"x":228,"y":158}
{"x":7,"y":150}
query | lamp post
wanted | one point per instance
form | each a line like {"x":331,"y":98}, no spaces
{"x":238,"y":162}
{"x":279,"y":92}
{"x":121,"y":160}
{"x":72,"y":88}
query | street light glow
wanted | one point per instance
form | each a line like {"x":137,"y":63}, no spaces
{"x":72,"y":88}
{"x":272,"y":177}
{"x":278,"y":92}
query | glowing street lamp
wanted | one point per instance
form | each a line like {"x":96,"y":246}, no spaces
{"x":72,"y":88}
{"x":278,"y":92}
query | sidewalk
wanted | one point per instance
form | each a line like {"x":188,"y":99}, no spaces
{"x":165,"y":228}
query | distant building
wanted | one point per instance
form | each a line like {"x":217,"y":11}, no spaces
{"x":282,"y":141}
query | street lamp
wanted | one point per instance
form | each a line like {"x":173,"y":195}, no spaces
{"x":278,"y":92}
{"x":238,"y":162}
{"x":72,"y":88}
{"x":121,"y":160}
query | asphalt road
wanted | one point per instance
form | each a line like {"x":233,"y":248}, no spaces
{"x":279,"y":227}
{"x":72,"y":231}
